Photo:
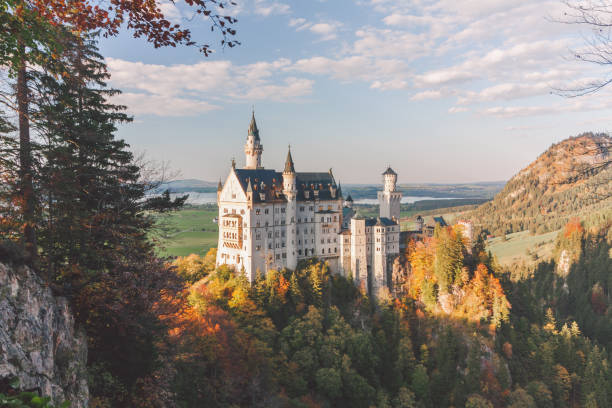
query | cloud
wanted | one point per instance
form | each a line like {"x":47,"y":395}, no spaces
{"x":190,"y":89}
{"x":385,"y":74}
{"x":327,"y":31}
{"x":267,"y":8}
{"x":437,"y":94}
{"x":162,"y":105}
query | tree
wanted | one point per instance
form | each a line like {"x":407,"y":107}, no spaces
{"x":32,"y":31}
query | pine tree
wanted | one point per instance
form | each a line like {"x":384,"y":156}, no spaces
{"x":93,"y":240}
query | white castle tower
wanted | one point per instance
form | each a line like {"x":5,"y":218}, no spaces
{"x":290,"y":192}
{"x":389,"y":199}
{"x":253,"y":147}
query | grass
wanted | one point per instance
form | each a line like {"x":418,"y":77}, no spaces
{"x":522,"y":247}
{"x":188,"y":231}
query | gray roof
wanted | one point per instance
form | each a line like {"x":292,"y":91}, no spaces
{"x":389,"y":171}
{"x":380,"y":222}
{"x":270,"y":183}
{"x":349,"y":198}
{"x":253,"y":131}
{"x":289,"y":168}
{"x":440,"y":220}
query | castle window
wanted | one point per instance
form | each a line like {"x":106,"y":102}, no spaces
{"x":258,"y":236}
{"x":269,"y":246}
{"x":311,"y":208}
{"x":301,"y":209}
{"x":266,"y":223}
{"x":322,"y":241}
{"x":283,"y":210}
{"x":225,"y":210}
{"x":283,"y":234}
{"x":266,"y":211}
{"x":277,"y":256}
{"x":257,"y":223}
{"x":322,"y":219}
{"x":329,"y":250}
{"x":242,"y":212}
{"x":258,"y":247}
{"x":277,"y":245}
{"x":284,"y":255}
{"x":276,"y":234}
{"x":283,"y":245}
{"x":233,"y":196}
{"x":335,"y":250}
{"x":299,"y":220}
{"x":257,"y":211}
{"x":299,"y":252}
{"x":323,"y":251}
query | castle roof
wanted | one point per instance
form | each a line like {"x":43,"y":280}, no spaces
{"x":349,"y":198}
{"x":389,"y":171}
{"x":253,"y":131}
{"x":379,"y":222}
{"x":289,"y":168}
{"x":310,"y":186}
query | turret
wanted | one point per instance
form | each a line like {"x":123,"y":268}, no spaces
{"x":289,"y":178}
{"x":253,"y":147}
{"x":219,"y":189}
{"x":348,"y":202}
{"x":390,"y":179}
{"x":290,"y":192}
{"x":389,"y":199}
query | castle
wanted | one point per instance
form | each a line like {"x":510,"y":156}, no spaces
{"x":271,"y":220}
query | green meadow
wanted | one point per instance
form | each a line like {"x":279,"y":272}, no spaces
{"x":522,"y":247}
{"x":188,"y":231}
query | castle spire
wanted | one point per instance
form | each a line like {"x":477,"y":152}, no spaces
{"x":289,"y":167}
{"x":253,"y":131}
{"x":253,"y":147}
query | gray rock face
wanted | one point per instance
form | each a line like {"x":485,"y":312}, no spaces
{"x":38,"y":341}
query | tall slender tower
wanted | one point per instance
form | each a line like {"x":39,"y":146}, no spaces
{"x":253,"y":147}
{"x":389,"y":199}
{"x":290,"y":192}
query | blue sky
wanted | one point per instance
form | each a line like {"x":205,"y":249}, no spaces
{"x":442,"y":90}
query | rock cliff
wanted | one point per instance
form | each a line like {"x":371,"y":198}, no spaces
{"x":39,"y":345}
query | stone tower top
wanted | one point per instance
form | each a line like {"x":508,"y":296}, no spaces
{"x":390,"y":179}
{"x":289,"y":167}
{"x":253,"y":147}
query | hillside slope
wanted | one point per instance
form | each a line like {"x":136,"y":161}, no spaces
{"x":567,"y":180}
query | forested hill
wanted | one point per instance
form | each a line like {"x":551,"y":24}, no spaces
{"x":569,"y":179}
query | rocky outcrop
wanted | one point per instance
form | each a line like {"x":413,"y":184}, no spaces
{"x":39,"y":345}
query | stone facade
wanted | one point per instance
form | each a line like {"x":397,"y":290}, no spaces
{"x":39,"y":345}
{"x":272,"y":220}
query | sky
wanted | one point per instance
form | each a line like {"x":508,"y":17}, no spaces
{"x":444,"y":91}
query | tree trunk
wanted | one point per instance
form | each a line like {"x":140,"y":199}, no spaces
{"x":25,"y":161}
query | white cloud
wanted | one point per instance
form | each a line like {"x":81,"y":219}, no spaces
{"x":162,"y":105}
{"x":327,"y":31}
{"x":189,"y":89}
{"x":437,"y":94}
{"x":267,"y":8}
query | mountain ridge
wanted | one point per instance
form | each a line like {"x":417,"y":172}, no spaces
{"x":570,"y":178}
